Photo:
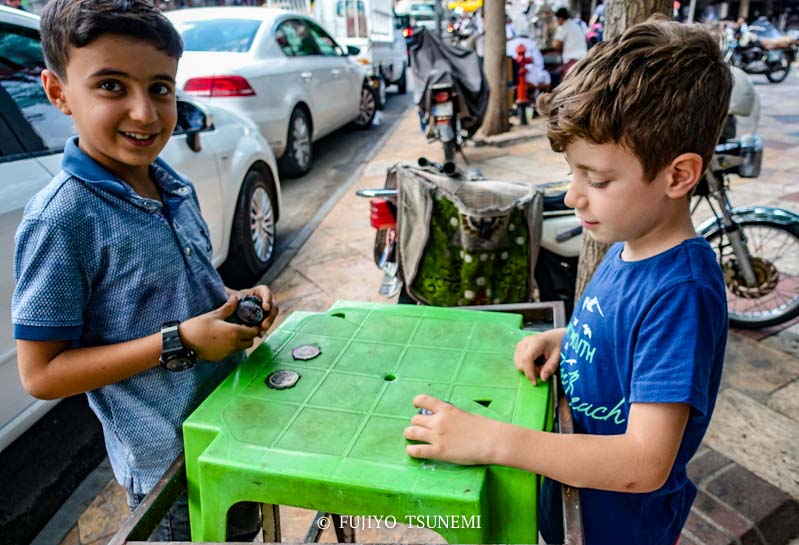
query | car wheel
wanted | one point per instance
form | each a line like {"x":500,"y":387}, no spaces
{"x":253,"y":237}
{"x":298,"y":156}
{"x":402,"y":84}
{"x":367,"y":107}
{"x":382,"y":95}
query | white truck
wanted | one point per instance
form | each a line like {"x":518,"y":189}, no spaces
{"x":370,"y":26}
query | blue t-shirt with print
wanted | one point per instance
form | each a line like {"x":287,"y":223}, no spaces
{"x":648,"y":331}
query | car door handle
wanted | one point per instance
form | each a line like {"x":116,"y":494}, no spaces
{"x":306,"y":75}
{"x":335,"y":72}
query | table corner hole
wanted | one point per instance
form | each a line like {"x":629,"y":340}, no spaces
{"x":339,"y":315}
{"x":484,"y":402}
{"x":389,"y":377}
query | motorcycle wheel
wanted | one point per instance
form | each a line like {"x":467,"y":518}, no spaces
{"x":775,"y":299}
{"x":783,"y":69}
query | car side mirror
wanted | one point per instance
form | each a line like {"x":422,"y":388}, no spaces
{"x":192,"y":120}
{"x":353,"y":51}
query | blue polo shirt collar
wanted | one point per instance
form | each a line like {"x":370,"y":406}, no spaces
{"x":76,"y":163}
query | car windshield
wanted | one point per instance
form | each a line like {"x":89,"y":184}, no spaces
{"x":234,"y":35}
{"x":21,"y":65}
{"x":421,"y":8}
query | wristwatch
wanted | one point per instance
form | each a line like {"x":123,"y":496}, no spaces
{"x":175,"y":356}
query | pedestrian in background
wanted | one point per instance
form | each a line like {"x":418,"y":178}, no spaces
{"x":17,"y":4}
{"x":570,"y":40}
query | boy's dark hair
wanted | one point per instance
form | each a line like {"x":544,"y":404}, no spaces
{"x":77,"y":23}
{"x":562,"y":13}
{"x":660,"y":89}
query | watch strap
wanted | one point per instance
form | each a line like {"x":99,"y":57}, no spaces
{"x":174,"y":355}
{"x":170,"y":338}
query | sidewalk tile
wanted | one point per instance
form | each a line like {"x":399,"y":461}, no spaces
{"x":722,"y":515}
{"x":345,"y":278}
{"x":775,"y":513}
{"x":705,"y":464}
{"x":754,"y":369}
{"x":786,"y":401}
{"x":786,"y":340}
{"x":319,"y":248}
{"x":705,"y":532}
{"x":293,"y":285}
{"x":758,"y":438}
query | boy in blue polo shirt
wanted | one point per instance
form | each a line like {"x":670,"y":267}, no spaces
{"x":116,"y":290}
{"x":641,"y":359}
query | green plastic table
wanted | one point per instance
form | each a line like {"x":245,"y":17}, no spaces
{"x":334,"y":442}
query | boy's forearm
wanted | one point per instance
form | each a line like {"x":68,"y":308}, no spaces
{"x":604,"y":462}
{"x":80,"y":370}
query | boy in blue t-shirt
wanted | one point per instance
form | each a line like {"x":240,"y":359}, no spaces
{"x":641,"y":358}
{"x":116,"y":293}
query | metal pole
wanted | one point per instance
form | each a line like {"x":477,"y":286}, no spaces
{"x":743,"y":10}
{"x":438,"y":18}
{"x":691,"y":11}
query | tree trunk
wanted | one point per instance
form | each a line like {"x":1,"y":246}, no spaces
{"x":496,"y":116}
{"x":619,"y":14}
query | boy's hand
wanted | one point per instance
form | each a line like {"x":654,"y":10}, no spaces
{"x":539,"y":355}
{"x":449,"y":433}
{"x":212,"y":337}
{"x":268,"y":303}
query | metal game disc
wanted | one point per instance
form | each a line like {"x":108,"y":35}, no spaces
{"x":305,"y":352}
{"x":280,"y":380}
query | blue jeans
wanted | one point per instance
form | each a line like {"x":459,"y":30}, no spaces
{"x":243,"y":520}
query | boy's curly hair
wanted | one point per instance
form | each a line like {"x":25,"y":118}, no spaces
{"x":660,"y":89}
{"x":76,"y":23}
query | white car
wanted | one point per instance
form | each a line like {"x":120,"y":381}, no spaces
{"x":231,"y":165}
{"x":280,"y":69}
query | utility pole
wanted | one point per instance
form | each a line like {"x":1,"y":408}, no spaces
{"x":438,"y":18}
{"x":743,"y":10}
{"x":496,"y":116}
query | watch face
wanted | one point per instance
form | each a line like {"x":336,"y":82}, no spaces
{"x":178,"y":363}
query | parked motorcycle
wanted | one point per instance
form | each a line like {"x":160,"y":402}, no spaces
{"x":757,"y":247}
{"x":747,"y":52}
{"x":463,"y":30}
{"x":451,"y":91}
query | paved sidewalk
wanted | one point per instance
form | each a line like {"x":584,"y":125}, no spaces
{"x":748,"y":467}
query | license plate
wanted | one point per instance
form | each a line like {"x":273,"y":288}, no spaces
{"x":443,"y":110}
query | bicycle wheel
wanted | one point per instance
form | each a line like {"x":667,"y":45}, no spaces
{"x":774,"y":251}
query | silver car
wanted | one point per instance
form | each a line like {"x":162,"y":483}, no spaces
{"x":279,"y":68}
{"x":231,"y":165}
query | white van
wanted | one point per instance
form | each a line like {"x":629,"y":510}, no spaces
{"x":369,"y":25}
